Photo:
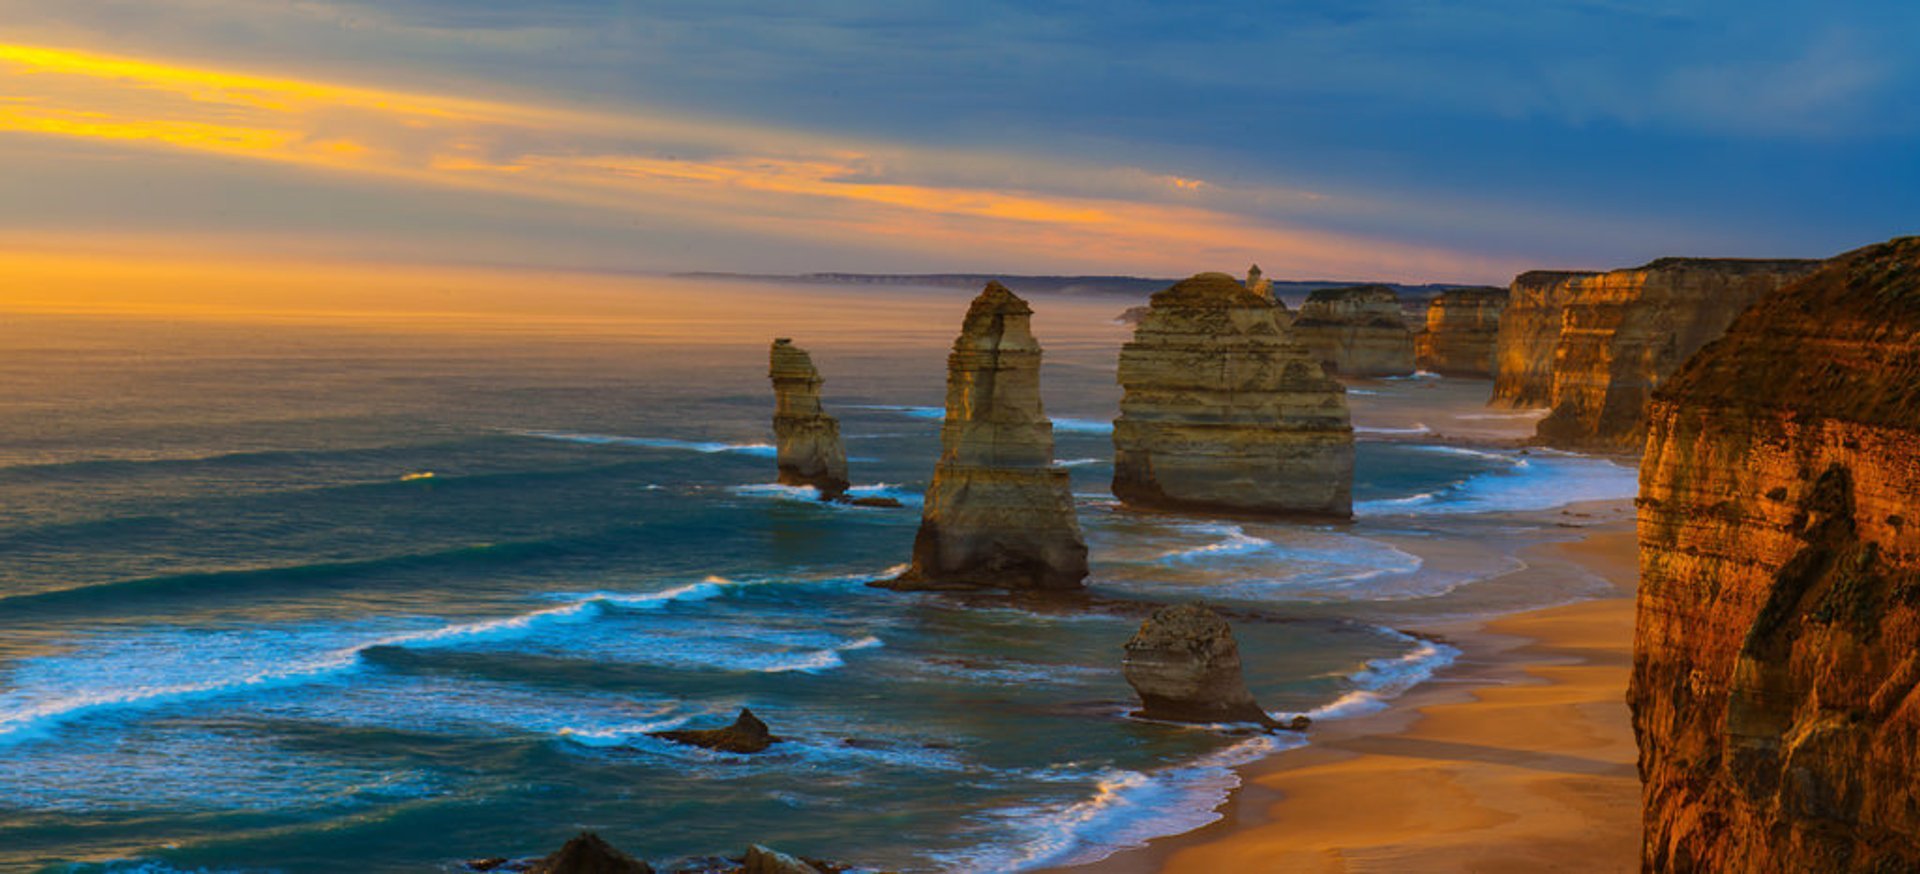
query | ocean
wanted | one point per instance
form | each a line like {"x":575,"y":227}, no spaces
{"x":386,"y":590}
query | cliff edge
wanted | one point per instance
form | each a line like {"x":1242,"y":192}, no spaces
{"x":1776,"y":676}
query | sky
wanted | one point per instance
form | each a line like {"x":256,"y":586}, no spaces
{"x":1405,"y":140}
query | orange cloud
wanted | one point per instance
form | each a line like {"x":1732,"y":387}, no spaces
{"x":788,"y":184}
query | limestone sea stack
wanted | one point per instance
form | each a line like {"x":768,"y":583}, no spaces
{"x":1185,"y":666}
{"x":999,"y":513}
{"x":1223,"y":412}
{"x":1463,"y":325}
{"x":1358,"y":330}
{"x":1776,"y":671}
{"x":1594,"y":346}
{"x":807,"y":440}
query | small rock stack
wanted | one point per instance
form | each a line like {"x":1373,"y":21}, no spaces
{"x":807,"y":440}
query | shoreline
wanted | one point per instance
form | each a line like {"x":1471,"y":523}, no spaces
{"x":1517,"y":756}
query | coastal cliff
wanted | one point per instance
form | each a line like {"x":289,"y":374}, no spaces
{"x":1776,"y":676}
{"x":1357,"y":330}
{"x":1462,"y":327}
{"x":1593,"y":346}
{"x":999,"y":513}
{"x":1223,"y":411}
{"x":809,"y":451}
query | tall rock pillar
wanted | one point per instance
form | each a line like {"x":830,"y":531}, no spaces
{"x":999,"y":513}
{"x":809,"y":449}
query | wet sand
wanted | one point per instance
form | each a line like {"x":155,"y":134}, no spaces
{"x":1519,"y":757}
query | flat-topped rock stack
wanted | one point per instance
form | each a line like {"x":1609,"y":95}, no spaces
{"x":1185,"y":666}
{"x":1223,"y":412}
{"x":1357,"y":330}
{"x":1593,"y":346}
{"x":999,"y":513}
{"x":808,"y":448}
{"x":1776,"y":670}
{"x":1463,"y":326}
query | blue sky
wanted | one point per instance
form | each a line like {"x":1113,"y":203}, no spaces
{"x":1403,"y":140}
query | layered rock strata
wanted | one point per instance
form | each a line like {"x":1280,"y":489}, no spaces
{"x":1185,"y":666}
{"x":1223,"y":411}
{"x":1463,"y":325}
{"x":809,"y":451}
{"x":1358,"y":330}
{"x":999,"y":513}
{"x":1776,"y":675}
{"x":1592,"y":346}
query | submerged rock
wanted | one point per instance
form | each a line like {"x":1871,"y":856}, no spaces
{"x":1357,"y":330}
{"x":1594,"y":346}
{"x":764,"y":860}
{"x":809,"y":451}
{"x":1224,"y":412}
{"x":1463,"y":326}
{"x":589,"y":854}
{"x":999,"y":513}
{"x":888,"y":503}
{"x":1776,"y":671}
{"x":747,"y":734}
{"x":1185,"y":666}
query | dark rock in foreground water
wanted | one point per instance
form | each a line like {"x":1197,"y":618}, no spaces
{"x":765,"y":860}
{"x":589,"y":854}
{"x":747,"y":734}
{"x":1185,"y":666}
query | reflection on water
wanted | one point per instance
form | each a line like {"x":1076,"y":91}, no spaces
{"x":240,"y":628}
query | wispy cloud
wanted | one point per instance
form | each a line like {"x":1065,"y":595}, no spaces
{"x":727,"y":175}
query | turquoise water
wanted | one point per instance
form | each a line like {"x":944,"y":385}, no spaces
{"x":323,"y":599}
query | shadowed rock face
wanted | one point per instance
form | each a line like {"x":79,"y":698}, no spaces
{"x":1462,"y":327}
{"x":1185,"y":666}
{"x":1358,"y":330}
{"x":809,"y":449}
{"x":998,"y":514}
{"x":747,"y":734}
{"x":1776,"y":681}
{"x":1594,"y":346}
{"x":589,"y":854}
{"x":1223,"y":411}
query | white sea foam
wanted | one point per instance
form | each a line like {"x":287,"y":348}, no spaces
{"x":1543,"y":481}
{"x":1124,"y":811}
{"x":165,"y":666}
{"x":1383,"y":680}
{"x":1418,"y":428}
{"x":809,"y":495}
{"x":1236,"y":541}
{"x":766,"y":450}
{"x":1418,"y":374}
{"x":1077,"y":462}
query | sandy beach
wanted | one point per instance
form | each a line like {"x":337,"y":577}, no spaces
{"x":1518,"y":757}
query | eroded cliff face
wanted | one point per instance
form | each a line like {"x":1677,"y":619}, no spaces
{"x":999,"y":513}
{"x":1462,"y":327}
{"x":1223,"y":411}
{"x":1777,"y":650}
{"x":809,"y":451}
{"x":1593,"y":346}
{"x":1358,"y":330}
